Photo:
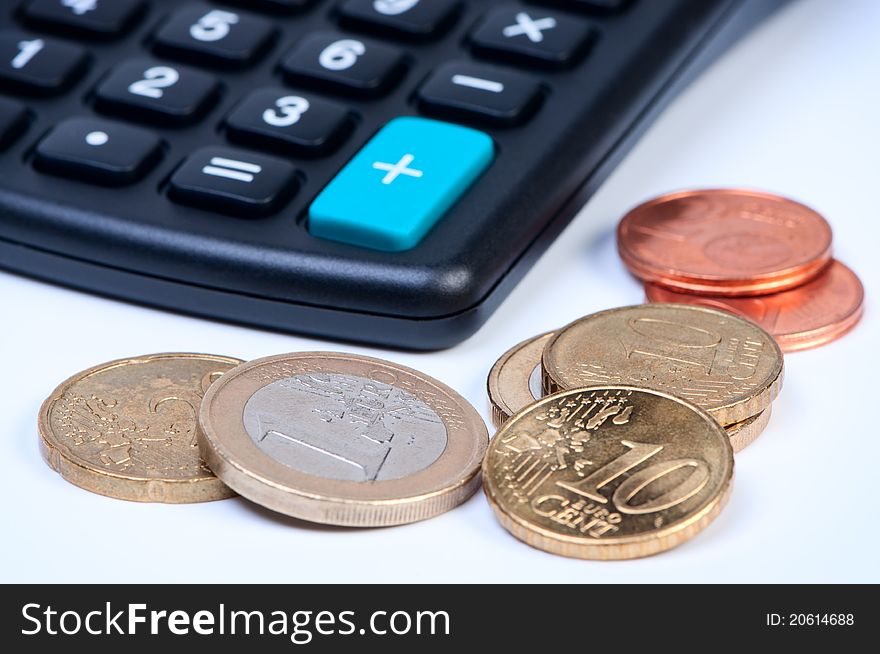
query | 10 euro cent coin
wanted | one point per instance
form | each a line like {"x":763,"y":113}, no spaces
{"x":608,"y":473}
{"x":722,"y":363}
{"x":342,"y":439}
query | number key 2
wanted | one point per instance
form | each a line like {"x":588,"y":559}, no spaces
{"x":281,"y":120}
{"x":331,"y":60}
{"x":214,"y":36}
{"x":150,"y":90}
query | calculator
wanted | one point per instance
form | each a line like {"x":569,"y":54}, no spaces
{"x":380,"y":171}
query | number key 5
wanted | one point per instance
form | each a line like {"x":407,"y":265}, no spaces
{"x":209,"y":36}
{"x":280,"y":120}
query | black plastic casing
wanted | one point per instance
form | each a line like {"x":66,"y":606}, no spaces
{"x":135,"y":244}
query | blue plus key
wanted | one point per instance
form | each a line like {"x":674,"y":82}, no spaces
{"x":400,"y":184}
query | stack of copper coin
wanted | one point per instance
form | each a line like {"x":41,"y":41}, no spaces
{"x":758,"y":255}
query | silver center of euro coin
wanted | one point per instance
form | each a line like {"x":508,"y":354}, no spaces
{"x":344,"y":427}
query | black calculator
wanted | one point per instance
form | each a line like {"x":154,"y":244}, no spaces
{"x":382,"y":171}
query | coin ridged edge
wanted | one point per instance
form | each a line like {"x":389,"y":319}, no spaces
{"x":131,"y":488}
{"x":500,"y":411}
{"x":742,"y":435}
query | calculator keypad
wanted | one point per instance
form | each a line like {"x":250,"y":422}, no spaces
{"x":204,"y":34}
{"x":302,"y":111}
{"x":152,"y":90}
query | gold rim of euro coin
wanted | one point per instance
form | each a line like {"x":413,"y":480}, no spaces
{"x":127,"y":428}
{"x":617,"y":472}
{"x":746,"y":432}
{"x":509,"y":380}
{"x":724,"y":364}
{"x":311,"y":435}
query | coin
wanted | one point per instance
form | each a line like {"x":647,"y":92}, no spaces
{"x":722,"y":363}
{"x":127,"y":428}
{"x":515,"y":377}
{"x":724,"y":242}
{"x":342,"y":439}
{"x":820,"y":311}
{"x":746,"y":432}
{"x":608,"y":473}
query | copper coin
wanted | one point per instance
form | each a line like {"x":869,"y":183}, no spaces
{"x":728,"y":242}
{"x":816,"y":313}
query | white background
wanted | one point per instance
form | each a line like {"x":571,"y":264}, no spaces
{"x":792,"y":109}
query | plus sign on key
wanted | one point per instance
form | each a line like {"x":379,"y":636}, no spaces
{"x":400,"y":184}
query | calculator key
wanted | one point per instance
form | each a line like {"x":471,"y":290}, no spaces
{"x":535,"y":37}
{"x":233,"y":181}
{"x":209,"y":35}
{"x":334,"y":61}
{"x":103,"y":19}
{"x":412,"y":18}
{"x":288,"y":122}
{"x":150,"y":90}
{"x":98,"y":151}
{"x":37,"y":65}
{"x":13,"y":120}
{"x":274,"y":6}
{"x":400,"y":184}
{"x":593,"y":6}
{"x":479,"y":92}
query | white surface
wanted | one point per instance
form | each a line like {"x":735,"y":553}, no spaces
{"x":792,"y":109}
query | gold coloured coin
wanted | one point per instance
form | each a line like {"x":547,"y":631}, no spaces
{"x":746,"y":432}
{"x":127,"y":429}
{"x":342,"y":439}
{"x":510,"y":380}
{"x":608,"y":473}
{"x":722,"y":363}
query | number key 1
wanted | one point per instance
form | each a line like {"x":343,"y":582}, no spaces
{"x":36,"y":65}
{"x":285,"y":121}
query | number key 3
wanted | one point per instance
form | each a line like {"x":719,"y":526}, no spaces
{"x":280,"y":120}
